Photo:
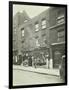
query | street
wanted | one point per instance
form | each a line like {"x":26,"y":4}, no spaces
{"x":21,"y":77}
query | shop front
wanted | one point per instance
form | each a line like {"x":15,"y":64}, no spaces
{"x":58,"y":50}
{"x":27,"y":58}
{"x":38,"y":57}
{"x":41,"y":57}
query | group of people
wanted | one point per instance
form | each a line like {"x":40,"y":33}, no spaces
{"x":31,"y":60}
{"x":27,"y":59}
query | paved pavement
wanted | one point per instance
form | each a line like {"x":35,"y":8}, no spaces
{"x":21,"y":77}
{"x":38,"y":70}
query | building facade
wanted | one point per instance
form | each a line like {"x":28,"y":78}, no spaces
{"x":57,"y":34}
{"x":43,"y":36}
{"x":18,"y":20}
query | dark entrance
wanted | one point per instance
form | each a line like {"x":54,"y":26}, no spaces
{"x":58,"y":51}
{"x":57,"y":59}
{"x":30,"y":61}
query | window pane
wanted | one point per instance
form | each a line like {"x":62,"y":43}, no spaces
{"x":22,"y":31}
{"x":60,"y":33}
{"x":25,"y":20}
{"x":60,"y":39}
{"x":37,"y":43}
{"x":60,"y":20}
{"x":43,"y":22}
{"x":61,"y":16}
{"x":44,"y":26}
{"x":36,"y":27}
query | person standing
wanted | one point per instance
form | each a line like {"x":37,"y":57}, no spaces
{"x":47,"y":61}
{"x":30,"y":61}
{"x":35,"y":62}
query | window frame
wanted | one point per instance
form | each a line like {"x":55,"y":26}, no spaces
{"x":43,"y":25}
{"x":60,"y":36}
{"x":22,"y":32}
{"x":36,"y":26}
{"x":37,"y":43}
{"x":60,"y":18}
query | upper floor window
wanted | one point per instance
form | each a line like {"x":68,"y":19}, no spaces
{"x":43,"y":24}
{"x":60,"y":16}
{"x":60,"y":19}
{"x":22,"y":32}
{"x":36,"y":27}
{"x":61,"y":35}
{"x":25,"y":20}
{"x":37,"y":43}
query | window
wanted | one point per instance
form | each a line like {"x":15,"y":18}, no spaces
{"x":37,"y":43}
{"x":43,"y":24}
{"x":36,"y":27}
{"x":60,"y":17}
{"x":22,"y":31}
{"x":25,"y":20}
{"x":61,"y":35}
{"x":45,"y":41}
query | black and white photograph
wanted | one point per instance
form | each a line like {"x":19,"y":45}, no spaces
{"x":37,"y":44}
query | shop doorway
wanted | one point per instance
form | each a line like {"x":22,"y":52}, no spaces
{"x":57,"y":59}
{"x":58,"y":50}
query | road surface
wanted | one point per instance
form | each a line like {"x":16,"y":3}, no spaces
{"x":21,"y":77}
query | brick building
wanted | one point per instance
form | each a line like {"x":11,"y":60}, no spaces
{"x":33,"y":36}
{"x":18,"y":19}
{"x":57,"y":34}
{"x":41,"y":35}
